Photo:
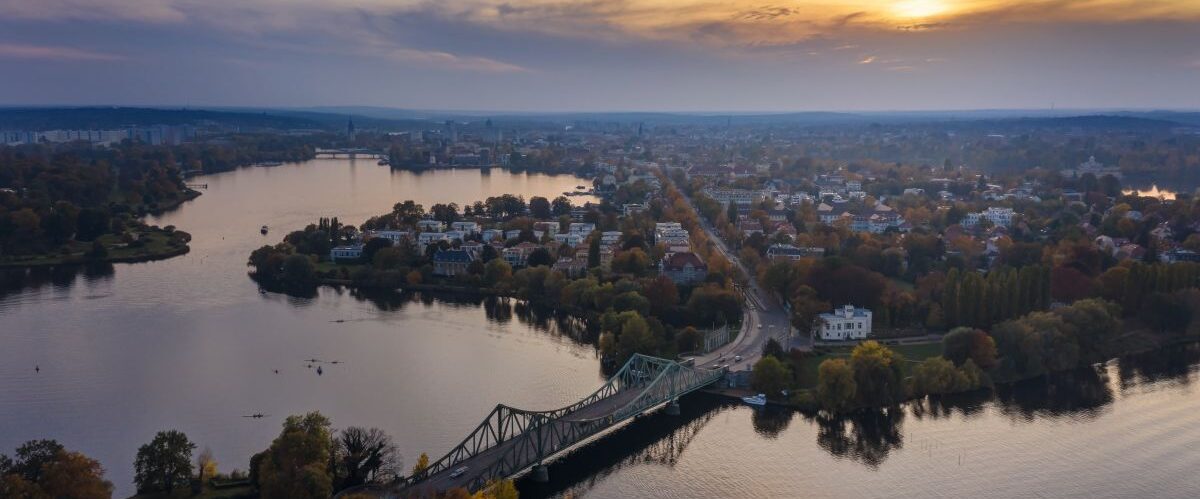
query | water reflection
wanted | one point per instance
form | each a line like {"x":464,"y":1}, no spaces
{"x":866,"y":437}
{"x":1173,"y":364}
{"x":653,"y":439}
{"x":499,"y":310}
{"x":62,"y":277}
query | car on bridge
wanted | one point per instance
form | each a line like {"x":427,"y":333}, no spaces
{"x":458,"y":472}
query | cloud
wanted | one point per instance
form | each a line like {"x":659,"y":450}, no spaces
{"x":154,"y":11}
{"x":50,"y":53}
{"x":451,"y":61}
{"x":922,"y":26}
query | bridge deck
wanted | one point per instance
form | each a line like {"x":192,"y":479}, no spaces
{"x":598,"y":409}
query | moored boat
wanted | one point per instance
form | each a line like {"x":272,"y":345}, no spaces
{"x":760,"y":399}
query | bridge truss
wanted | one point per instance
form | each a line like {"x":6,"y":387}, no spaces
{"x":509,"y":440}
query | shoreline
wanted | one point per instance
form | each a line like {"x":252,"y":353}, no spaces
{"x":75,"y":260}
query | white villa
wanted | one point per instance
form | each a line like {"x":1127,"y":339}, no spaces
{"x":1000,"y":217}
{"x":846,"y":323}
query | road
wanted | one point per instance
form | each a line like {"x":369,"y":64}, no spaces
{"x":764,"y":317}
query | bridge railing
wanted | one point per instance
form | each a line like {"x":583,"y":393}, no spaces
{"x":534,"y":435}
{"x":553,"y":436}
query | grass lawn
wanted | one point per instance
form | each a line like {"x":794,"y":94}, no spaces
{"x":912,"y":353}
{"x":323,"y":267}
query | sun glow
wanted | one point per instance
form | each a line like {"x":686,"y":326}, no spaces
{"x":919,"y":8}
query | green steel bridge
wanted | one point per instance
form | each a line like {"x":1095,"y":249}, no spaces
{"x":511,"y":440}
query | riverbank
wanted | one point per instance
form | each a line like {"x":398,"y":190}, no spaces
{"x":1137,"y":343}
{"x":148,"y":244}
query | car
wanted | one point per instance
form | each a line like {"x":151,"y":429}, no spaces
{"x":760,"y":326}
{"x":458,"y":472}
{"x":737,"y":358}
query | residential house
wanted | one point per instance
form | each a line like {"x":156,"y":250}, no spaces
{"x":342,"y":253}
{"x":450,"y":263}
{"x":684,"y":268}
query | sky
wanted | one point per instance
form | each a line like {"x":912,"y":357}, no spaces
{"x":604,"y":55}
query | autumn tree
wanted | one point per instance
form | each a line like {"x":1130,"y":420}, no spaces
{"x":962,"y":343}
{"x":770,"y":376}
{"x":836,"y":388}
{"x":165,"y":463}
{"x":296,"y":466}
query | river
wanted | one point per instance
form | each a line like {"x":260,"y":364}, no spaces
{"x":190,"y":344}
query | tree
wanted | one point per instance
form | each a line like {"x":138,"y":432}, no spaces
{"x":836,"y":388}
{"x":689,"y":340}
{"x":373,"y":246}
{"x":539,"y":257}
{"x":936,"y":376}
{"x":633,"y":261}
{"x":366,"y":456}
{"x":662,"y":293}
{"x":635,"y":336}
{"x":496,"y":271}
{"x":540,"y":208}
{"x":561,"y":206}
{"x":76,"y":476}
{"x":593,"y":255}
{"x":206,"y":464}
{"x":962,"y":344}
{"x":298,"y":272}
{"x":296,"y":466}
{"x":421,"y":465}
{"x":770,"y":376}
{"x":878,"y":374}
{"x":165,"y":463}
{"x":32,"y":457}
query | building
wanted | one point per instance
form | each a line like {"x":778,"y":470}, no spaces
{"x":547,"y":227}
{"x":572,"y":267}
{"x":426,"y":238}
{"x":789,"y":252}
{"x":395,"y":236}
{"x":450,"y":263}
{"x":846,"y":323}
{"x":684,"y":268}
{"x":518,"y":255}
{"x":570,"y":239}
{"x":431,"y":225}
{"x":341,"y":253}
{"x":736,"y":196}
{"x":582,"y":228}
{"x":999,"y":217}
{"x":490,"y":235}
{"x":465,"y":227}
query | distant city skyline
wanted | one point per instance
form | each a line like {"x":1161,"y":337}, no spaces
{"x":589,"y":56}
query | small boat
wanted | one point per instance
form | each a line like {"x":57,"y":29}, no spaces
{"x":263,"y":230}
{"x":760,"y":399}
{"x":580,"y":187}
{"x":382,"y":162}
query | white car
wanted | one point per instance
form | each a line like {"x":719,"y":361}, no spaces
{"x":737,"y":358}
{"x":458,"y":472}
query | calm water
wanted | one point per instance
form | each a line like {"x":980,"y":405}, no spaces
{"x":189,"y":343}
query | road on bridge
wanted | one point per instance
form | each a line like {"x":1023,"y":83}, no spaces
{"x":476,"y":464}
{"x":764,"y":317}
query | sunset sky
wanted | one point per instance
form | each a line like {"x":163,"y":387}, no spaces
{"x":597,"y":55}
